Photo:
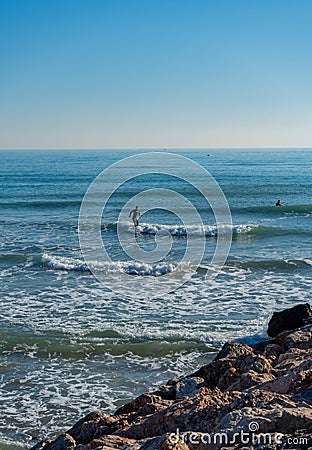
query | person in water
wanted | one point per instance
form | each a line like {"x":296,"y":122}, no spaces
{"x":135,"y":213}
{"x":278,"y":203}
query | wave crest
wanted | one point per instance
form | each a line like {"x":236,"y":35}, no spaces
{"x":131,"y":268}
{"x":184,"y":230}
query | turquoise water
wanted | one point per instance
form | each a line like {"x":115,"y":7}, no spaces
{"x":70,"y":345}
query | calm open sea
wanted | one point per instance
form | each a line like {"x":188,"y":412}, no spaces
{"x":69,"y":345}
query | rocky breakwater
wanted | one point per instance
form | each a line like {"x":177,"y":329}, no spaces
{"x":251,"y":397}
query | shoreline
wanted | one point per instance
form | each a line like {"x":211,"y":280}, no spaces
{"x":256,"y":395}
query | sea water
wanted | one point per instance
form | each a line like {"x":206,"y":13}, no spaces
{"x":70,"y":344}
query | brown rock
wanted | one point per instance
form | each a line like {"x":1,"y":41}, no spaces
{"x":272,"y":413}
{"x":272,"y":352}
{"x":86,"y":429}
{"x":109,"y":442}
{"x":299,"y":339}
{"x":63,"y":442}
{"x":196,"y":413}
{"x":233,"y":350}
{"x":294,"y":373}
{"x":188,"y":387}
{"x":250,"y":379}
{"x":291,"y":358}
{"x":165,"y":442}
{"x":223,"y":373}
{"x":144,"y":404}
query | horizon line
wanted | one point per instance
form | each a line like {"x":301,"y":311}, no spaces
{"x":154,"y":148}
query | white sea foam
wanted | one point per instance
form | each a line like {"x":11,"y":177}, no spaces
{"x":190,"y":230}
{"x":62,"y":263}
{"x":131,"y":268}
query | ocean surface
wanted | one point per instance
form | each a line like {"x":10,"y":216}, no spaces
{"x":70,"y":344}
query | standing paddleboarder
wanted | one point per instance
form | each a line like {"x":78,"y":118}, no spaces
{"x":135,"y":213}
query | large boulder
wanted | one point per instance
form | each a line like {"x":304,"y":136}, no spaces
{"x":290,"y":319}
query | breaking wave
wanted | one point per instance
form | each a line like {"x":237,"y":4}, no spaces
{"x":143,"y":269}
{"x":179,"y":230}
{"x":182,"y":230}
{"x":131,"y":268}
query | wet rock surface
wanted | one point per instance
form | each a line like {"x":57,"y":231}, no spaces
{"x":256,"y":397}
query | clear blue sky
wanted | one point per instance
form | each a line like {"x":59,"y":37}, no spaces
{"x":155,"y":73}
